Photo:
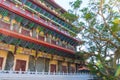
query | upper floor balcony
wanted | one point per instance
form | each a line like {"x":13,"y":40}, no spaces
{"x":44,"y":15}
{"x":32,"y":23}
{"x":50,"y":8}
{"x":20,"y":32}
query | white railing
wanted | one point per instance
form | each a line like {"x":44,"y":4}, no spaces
{"x":27,"y":75}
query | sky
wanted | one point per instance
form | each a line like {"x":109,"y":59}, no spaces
{"x":64,"y":3}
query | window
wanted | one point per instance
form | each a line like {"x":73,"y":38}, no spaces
{"x":33,"y":6}
{"x":28,"y":3}
{"x":23,"y":1}
{"x":37,"y":9}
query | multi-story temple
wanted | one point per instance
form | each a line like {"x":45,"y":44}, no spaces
{"x":35,"y":37}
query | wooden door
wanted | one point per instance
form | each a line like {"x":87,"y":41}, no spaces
{"x":64,"y":69}
{"x":1,"y":63}
{"x":20,"y":65}
{"x":72,"y":69}
{"x":52,"y":68}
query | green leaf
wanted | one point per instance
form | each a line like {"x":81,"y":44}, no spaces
{"x":76,"y":4}
{"x":115,"y":28}
{"x":88,"y":16}
{"x":70,"y":16}
{"x":116,"y":21}
{"x":84,"y":10}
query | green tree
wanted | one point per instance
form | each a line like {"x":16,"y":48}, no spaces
{"x":100,"y":22}
{"x":70,"y":16}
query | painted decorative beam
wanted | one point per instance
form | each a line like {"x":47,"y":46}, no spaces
{"x":28,"y":15}
{"x":33,"y":40}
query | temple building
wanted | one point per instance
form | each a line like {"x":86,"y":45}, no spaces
{"x":35,"y":37}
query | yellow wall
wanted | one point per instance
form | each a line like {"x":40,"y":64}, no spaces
{"x":60,"y":58}
{"x":21,"y":57}
{"x":6,"y":18}
{"x":7,"y":47}
{"x":64,"y":64}
{"x":0,"y":16}
{"x":56,"y":57}
{"x":3,"y":54}
{"x":40,"y":54}
{"x":54,"y":62}
{"x":45,"y":55}
{"x":26,"y":51}
{"x":73,"y":65}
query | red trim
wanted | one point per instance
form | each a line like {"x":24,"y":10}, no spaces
{"x":26,"y":14}
{"x":56,"y":5}
{"x":27,"y":38}
{"x":35,"y":2}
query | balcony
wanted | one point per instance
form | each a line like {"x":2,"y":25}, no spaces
{"x":16,"y":28}
{"x":49,"y":9}
{"x":41,"y":38}
{"x":21,"y":33}
{"x":4,"y":24}
{"x":27,"y":75}
{"x":12,"y":7}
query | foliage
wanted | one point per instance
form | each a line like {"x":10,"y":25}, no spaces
{"x":83,"y":55}
{"x":70,"y":16}
{"x":100,"y":20}
{"x":76,"y":4}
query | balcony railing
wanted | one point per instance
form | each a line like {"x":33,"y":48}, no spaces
{"x":29,"y":15}
{"x":30,"y":9}
{"x":27,"y":75}
{"x":4,"y":25}
{"x":53,"y":42}
{"x":41,"y":38}
{"x":48,"y":8}
{"x":38,"y":2}
{"x":26,"y":32}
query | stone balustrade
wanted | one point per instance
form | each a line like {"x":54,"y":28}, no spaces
{"x":27,"y":75}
